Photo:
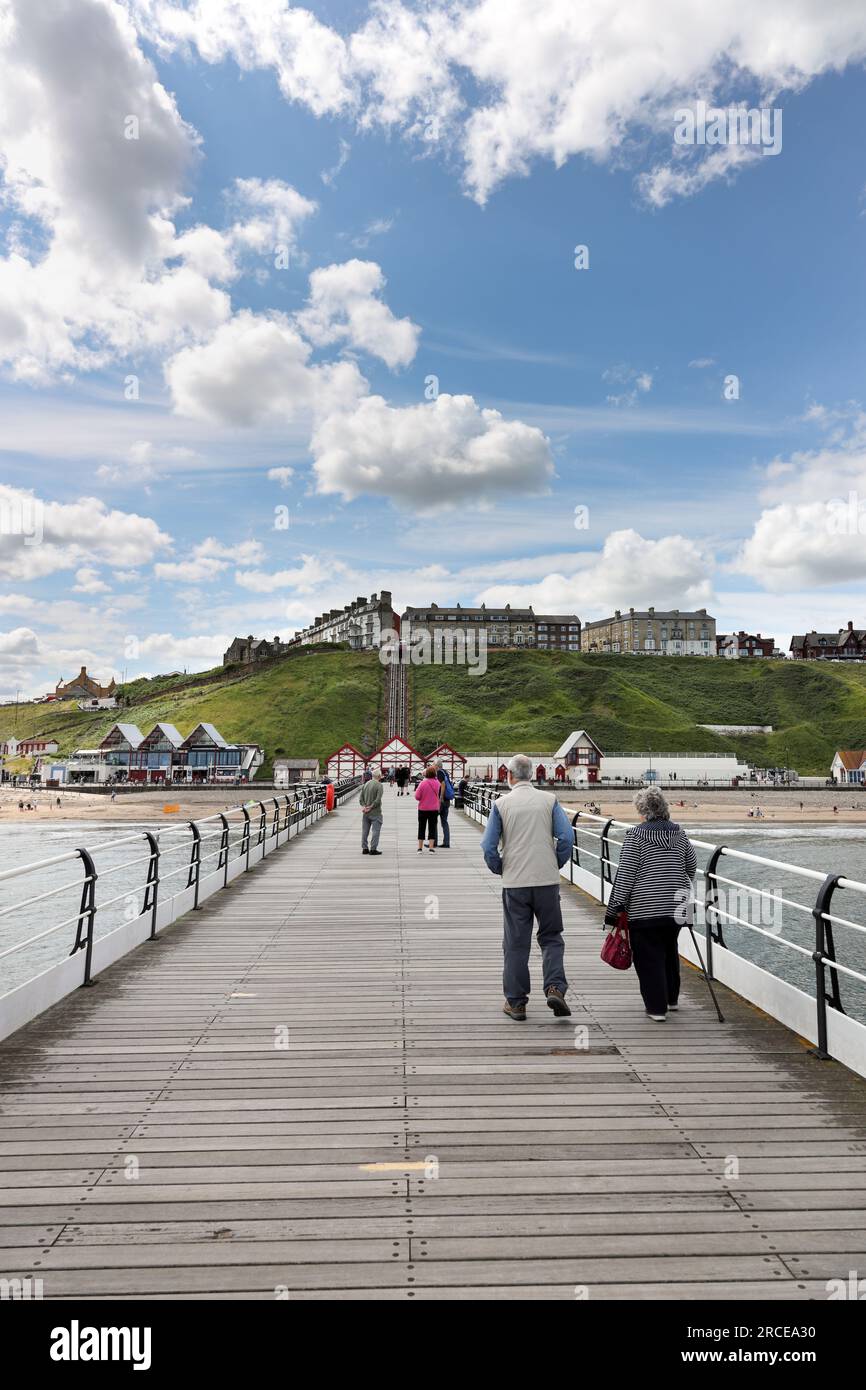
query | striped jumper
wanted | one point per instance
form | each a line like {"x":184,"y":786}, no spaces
{"x":656,"y":863}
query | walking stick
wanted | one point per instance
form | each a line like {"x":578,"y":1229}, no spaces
{"x":704,"y":970}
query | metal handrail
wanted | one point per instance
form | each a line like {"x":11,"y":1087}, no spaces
{"x":303,"y":805}
{"x":478,"y":801}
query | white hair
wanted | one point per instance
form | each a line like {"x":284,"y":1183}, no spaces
{"x":520,"y":768}
{"x":651,"y":804}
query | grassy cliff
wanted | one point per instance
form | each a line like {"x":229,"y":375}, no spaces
{"x":308,"y":703}
{"x":305,"y":705}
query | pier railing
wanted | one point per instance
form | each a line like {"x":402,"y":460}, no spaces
{"x":179,"y":868}
{"x":721,"y":899}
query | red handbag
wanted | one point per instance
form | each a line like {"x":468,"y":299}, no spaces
{"x":616,"y":950}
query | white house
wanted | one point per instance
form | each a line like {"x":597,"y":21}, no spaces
{"x":849,"y":765}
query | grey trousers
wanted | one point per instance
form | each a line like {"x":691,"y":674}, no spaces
{"x":521,"y":907}
{"x":373,"y":823}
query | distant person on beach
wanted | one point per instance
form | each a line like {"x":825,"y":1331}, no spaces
{"x":656,"y":867}
{"x":527,"y":840}
{"x":428,"y":795}
{"x":371,"y":813}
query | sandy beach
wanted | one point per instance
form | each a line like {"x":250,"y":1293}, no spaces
{"x":701,"y":807}
{"x":128,"y":807}
{"x":704,"y":807}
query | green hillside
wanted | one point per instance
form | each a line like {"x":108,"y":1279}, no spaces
{"x":309,"y":703}
{"x":303,"y":706}
{"x":533,"y":699}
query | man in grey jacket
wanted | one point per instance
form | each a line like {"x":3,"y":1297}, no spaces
{"x":371,"y":813}
{"x":527,"y":840}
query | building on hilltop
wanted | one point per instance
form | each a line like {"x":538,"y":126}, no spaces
{"x":243,"y":651}
{"x":361,"y":624}
{"x":503,"y":626}
{"x":848,"y":644}
{"x":735,"y":645}
{"x":666,"y":632}
{"x":84,"y":687}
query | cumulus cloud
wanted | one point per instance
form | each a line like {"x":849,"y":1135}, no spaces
{"x":436,"y":454}
{"x":209,"y":558}
{"x":256,"y":368}
{"x":813,"y":523}
{"x":502,"y":83}
{"x":630,"y":570}
{"x":20,"y":644}
{"x":87,"y":581}
{"x":344,"y":307}
{"x":38,"y":538}
{"x":309,"y":575}
{"x":95,"y":203}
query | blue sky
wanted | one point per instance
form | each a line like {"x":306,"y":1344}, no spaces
{"x":429,"y":174}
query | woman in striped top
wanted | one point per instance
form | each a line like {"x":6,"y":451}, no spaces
{"x":653,"y":884}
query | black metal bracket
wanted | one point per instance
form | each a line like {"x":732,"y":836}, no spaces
{"x":87,"y":913}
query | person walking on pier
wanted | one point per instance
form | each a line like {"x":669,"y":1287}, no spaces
{"x":527,"y":840}
{"x":371,"y":813}
{"x":402,"y":779}
{"x":427,"y":794}
{"x":654,"y":876}
{"x":446,"y":796}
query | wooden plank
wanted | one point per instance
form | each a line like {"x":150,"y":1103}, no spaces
{"x":409,"y":1141}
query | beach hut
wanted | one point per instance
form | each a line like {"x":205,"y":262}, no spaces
{"x":346,"y":762}
{"x":453,"y":762}
{"x":396,"y":752}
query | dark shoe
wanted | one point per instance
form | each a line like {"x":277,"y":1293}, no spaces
{"x":375,"y":851}
{"x":365,"y":851}
{"x":556,"y":1001}
{"x":515,"y":1011}
{"x":420,"y":849}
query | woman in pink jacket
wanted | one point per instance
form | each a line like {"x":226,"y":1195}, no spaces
{"x":427,"y":795}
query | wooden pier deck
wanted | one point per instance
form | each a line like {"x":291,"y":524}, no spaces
{"x":307,"y":1090}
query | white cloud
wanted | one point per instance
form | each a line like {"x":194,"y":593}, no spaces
{"x":309,"y":575}
{"x":209,"y":558}
{"x":274,"y":210}
{"x":87,"y":581}
{"x":92,"y":280}
{"x":20,"y":644}
{"x":637,"y":382}
{"x":813,"y":525}
{"x":254,"y":367}
{"x":436,"y":454}
{"x":629,"y":571}
{"x":194,"y":650}
{"x":344,"y":307}
{"x":16,"y":603}
{"x":49,"y":536}
{"x":283,"y":476}
{"x":504,"y":83}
